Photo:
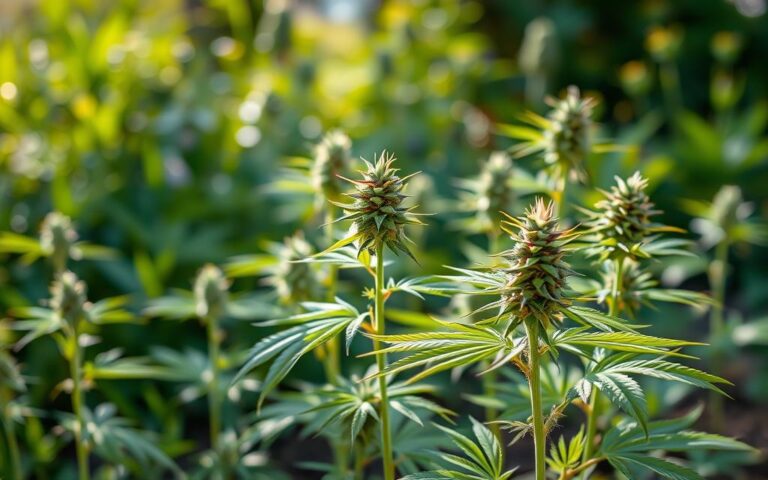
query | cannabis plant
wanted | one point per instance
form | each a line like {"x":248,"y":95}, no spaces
{"x":530,"y":329}
{"x":564,"y":139}
{"x":207,"y":375}
{"x":379,"y":217}
{"x":57,"y":242}
{"x":722,"y":224}
{"x":311,"y":183}
{"x":488,"y":195}
{"x":12,"y":385}
{"x":69,"y":318}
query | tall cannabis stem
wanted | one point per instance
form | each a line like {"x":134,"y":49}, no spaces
{"x":489,"y":378}
{"x":379,"y":220}
{"x":594,"y":402}
{"x":536,"y":276}
{"x":214,"y":397}
{"x":559,"y":196}
{"x":331,"y":162}
{"x":14,"y":457}
{"x":621,"y":225}
{"x":211,"y":296}
{"x":381,"y":363}
{"x":718,"y":272}
{"x":331,"y":361}
{"x":539,"y":437}
{"x":359,"y":461}
{"x":75,"y":368}
{"x":68,"y":300}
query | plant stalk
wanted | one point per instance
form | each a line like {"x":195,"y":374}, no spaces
{"x":359,"y":461}
{"x":75,"y":366}
{"x":670,"y":85}
{"x":594,"y":401}
{"x":331,"y":359}
{"x":559,"y":195}
{"x":489,"y":378}
{"x":539,"y":437}
{"x":381,"y":362}
{"x":14,"y":457}
{"x":214,"y":398}
{"x":716,"y":328}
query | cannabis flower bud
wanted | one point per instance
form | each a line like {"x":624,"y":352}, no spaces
{"x":727,"y":219}
{"x":494,"y":193}
{"x":633,"y":282}
{"x":57,"y":238}
{"x":68,"y":297}
{"x":377,"y":211}
{"x":536,"y":272}
{"x":210,"y":290}
{"x":567,"y":139}
{"x":539,"y":52}
{"x":332,"y":159}
{"x":622,"y":222}
{"x":295,"y":281}
{"x":728,"y":207}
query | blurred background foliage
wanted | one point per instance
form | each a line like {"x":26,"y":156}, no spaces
{"x":165,"y":129}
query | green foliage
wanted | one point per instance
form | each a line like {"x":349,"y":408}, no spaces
{"x":307,"y":331}
{"x":151,"y":139}
{"x":483,"y":459}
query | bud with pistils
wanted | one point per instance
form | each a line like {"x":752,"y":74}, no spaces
{"x":57,"y":238}
{"x":332,"y":159}
{"x":567,"y":140}
{"x":295,"y":281}
{"x":378,"y":212}
{"x":68,"y":298}
{"x":494,"y":193}
{"x":536,"y":271}
{"x":622,"y":222}
{"x":210,"y":292}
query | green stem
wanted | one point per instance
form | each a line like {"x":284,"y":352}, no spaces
{"x":489,"y":379}
{"x":359,"y":461}
{"x":539,"y":437}
{"x":594,"y":401}
{"x":670,"y":84}
{"x":381,"y":362}
{"x":214,"y":398}
{"x":717,"y":325}
{"x":331,"y":361}
{"x":14,"y":457}
{"x":717,"y":279}
{"x":559,"y":195}
{"x":75,"y":366}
